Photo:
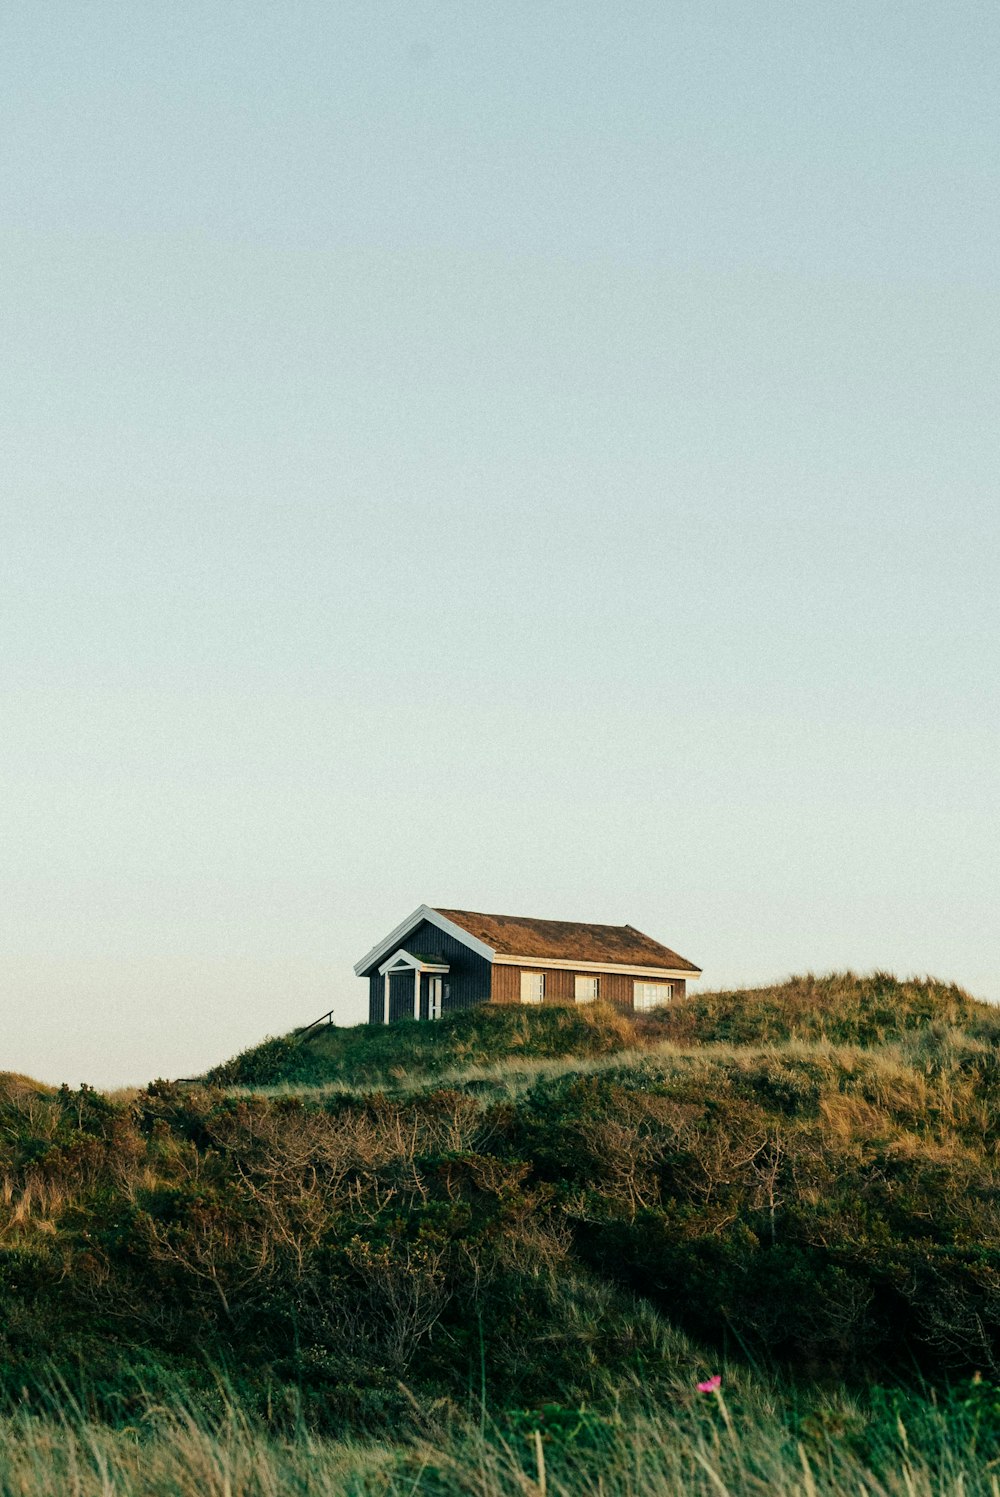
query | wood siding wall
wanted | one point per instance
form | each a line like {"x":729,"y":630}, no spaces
{"x":560,"y":987}
{"x":466,"y":983}
{"x":471,"y":979}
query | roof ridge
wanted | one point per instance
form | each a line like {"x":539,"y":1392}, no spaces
{"x":535,"y":919}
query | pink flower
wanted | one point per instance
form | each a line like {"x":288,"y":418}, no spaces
{"x":711,"y":1384}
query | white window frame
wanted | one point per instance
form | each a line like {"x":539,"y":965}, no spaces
{"x":647,"y":996}
{"x":586,"y":989}
{"x":532,"y":987}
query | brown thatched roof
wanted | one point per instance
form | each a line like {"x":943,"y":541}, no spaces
{"x":569,"y":940}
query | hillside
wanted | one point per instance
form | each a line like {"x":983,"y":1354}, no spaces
{"x":13,"y":1083}
{"x":806,"y":1176}
{"x":497,"y":1254}
{"x":364,"y":1056}
{"x":842,"y":1008}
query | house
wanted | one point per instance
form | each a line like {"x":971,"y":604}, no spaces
{"x":437,"y":961}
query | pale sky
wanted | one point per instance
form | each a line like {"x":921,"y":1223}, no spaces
{"x":531,"y":457}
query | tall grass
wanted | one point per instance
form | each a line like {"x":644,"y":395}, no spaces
{"x":702,"y":1447}
{"x":173,"y":1454}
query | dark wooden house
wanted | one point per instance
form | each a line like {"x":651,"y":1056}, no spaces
{"x":437,"y":961}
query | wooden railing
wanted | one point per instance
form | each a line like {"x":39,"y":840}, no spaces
{"x":300,"y":1034}
{"x":323,"y":1019}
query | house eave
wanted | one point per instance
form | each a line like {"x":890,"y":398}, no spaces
{"x":537,"y":963}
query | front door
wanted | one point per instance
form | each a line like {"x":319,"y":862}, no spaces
{"x":400,"y":994}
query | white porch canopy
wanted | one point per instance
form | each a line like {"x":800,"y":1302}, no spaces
{"x":405,"y":961}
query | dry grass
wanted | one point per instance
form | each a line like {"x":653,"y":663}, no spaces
{"x":699,"y":1447}
{"x":174,"y":1455}
{"x":892,"y":1076}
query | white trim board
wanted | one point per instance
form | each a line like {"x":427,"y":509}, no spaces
{"x":404,"y":961}
{"x":537,"y":963}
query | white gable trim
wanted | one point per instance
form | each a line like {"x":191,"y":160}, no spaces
{"x":404,"y":961}
{"x":396,"y":937}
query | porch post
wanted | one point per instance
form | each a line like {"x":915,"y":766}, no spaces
{"x":386,"y":998}
{"x":416,"y":992}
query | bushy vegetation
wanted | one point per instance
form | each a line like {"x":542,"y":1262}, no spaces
{"x":535,"y":1219}
{"x":844,"y":1008}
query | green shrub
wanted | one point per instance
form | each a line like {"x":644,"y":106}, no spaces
{"x":828,"y":1210}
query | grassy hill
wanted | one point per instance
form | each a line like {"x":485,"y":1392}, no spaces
{"x":842,"y":1008}
{"x":552,"y":1220}
{"x":364,"y":1056}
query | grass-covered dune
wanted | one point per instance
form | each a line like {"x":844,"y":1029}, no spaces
{"x":843,"y":1008}
{"x":365,"y":1055}
{"x":536,"y":1220}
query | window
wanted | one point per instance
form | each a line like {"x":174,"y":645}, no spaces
{"x":646,"y":995}
{"x":532,"y":987}
{"x":586,"y":989}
